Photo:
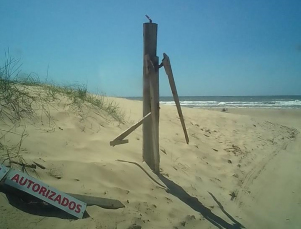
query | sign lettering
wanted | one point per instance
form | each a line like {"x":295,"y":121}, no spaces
{"x":46,"y":193}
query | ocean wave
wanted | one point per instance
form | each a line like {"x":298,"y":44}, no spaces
{"x":260,"y":104}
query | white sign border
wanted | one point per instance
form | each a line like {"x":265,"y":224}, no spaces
{"x":3,"y":171}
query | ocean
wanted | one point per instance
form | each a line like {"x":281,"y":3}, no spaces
{"x":292,"y":102}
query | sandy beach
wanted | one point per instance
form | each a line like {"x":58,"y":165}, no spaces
{"x":210,"y":91}
{"x":240,"y":169}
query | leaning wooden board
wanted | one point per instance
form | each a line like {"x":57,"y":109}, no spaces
{"x":168,"y":70}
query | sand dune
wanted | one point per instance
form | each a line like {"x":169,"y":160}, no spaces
{"x":240,"y":168}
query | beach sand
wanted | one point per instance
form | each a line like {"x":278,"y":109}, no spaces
{"x":240,"y":169}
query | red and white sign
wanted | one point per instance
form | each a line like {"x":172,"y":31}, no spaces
{"x":3,"y":171}
{"x":46,"y":193}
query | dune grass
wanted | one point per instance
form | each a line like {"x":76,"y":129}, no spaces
{"x":24,"y":96}
{"x":17,"y":99}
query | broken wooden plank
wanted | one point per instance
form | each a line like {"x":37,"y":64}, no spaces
{"x":98,"y":201}
{"x":168,"y":70}
{"x":130,"y":130}
{"x":118,"y":142}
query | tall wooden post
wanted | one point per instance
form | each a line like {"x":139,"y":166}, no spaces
{"x":151,"y":81}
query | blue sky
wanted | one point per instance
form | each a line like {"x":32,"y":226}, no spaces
{"x":216,"y":47}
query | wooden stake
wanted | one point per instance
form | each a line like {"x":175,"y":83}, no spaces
{"x":168,"y":70}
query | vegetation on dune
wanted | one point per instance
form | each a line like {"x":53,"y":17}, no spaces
{"x":17,"y":99}
{"x":24,"y":96}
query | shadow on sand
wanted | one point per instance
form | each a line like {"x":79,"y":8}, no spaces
{"x":196,"y":205}
{"x":177,"y":191}
{"x":32,"y":205}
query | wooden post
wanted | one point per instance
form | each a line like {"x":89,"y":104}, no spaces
{"x":154,"y":95}
{"x":150,"y":50}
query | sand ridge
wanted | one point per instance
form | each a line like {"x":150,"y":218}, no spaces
{"x":209,"y":183}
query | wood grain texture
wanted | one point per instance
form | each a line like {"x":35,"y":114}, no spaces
{"x":168,"y":70}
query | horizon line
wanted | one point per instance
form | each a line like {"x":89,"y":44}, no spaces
{"x":210,"y":96}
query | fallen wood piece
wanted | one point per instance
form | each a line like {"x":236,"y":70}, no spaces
{"x":39,"y":165}
{"x":168,"y":70}
{"x":98,"y":201}
{"x":118,"y":142}
{"x":129,"y":130}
